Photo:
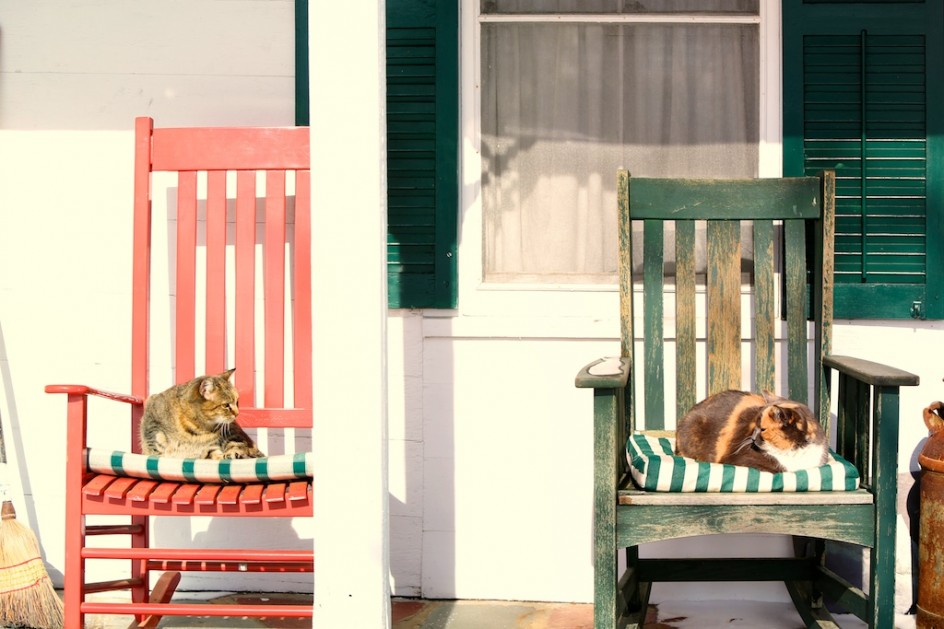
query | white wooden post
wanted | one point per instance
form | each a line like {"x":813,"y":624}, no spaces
{"x":349,"y":299}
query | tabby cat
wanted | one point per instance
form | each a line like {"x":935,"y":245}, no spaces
{"x":196,"y":420}
{"x":770,"y":433}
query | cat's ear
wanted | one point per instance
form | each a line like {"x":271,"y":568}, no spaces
{"x":228,"y":374}
{"x":206,"y":387}
{"x":771,"y":398}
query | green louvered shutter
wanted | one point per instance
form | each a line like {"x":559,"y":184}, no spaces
{"x":859,"y":97}
{"x":422,"y":152}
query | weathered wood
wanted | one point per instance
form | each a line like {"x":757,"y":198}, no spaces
{"x":653,"y":326}
{"x":837,"y":589}
{"x":724,"y":306}
{"x":823,"y":285}
{"x":682,"y":199}
{"x":795,"y":297}
{"x":685,"y":365}
{"x":764,"y":309}
{"x":640,"y":524}
{"x":872,"y":373}
{"x":639,"y":497}
{"x":868,"y":393}
{"x":625,"y":264}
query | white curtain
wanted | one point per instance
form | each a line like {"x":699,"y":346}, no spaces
{"x":565,"y":105}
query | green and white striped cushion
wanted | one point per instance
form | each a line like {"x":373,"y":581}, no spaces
{"x":655,"y":467}
{"x":273,"y":468}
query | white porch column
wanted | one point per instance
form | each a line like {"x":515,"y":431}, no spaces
{"x":349,"y":299}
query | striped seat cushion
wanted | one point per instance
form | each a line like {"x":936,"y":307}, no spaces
{"x":272,"y":468}
{"x":655,"y":467}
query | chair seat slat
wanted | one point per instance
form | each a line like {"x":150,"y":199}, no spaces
{"x":141,"y":490}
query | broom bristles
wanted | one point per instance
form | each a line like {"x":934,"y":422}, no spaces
{"x":27,"y":596}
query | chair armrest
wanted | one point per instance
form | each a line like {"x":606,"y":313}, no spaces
{"x":81,"y":389}
{"x":605,"y":373}
{"x":875,"y":374}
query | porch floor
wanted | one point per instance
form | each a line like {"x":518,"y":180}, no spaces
{"x":425,"y":614}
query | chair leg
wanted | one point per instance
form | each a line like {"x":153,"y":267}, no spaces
{"x":139,"y":570}
{"x":605,"y":600}
{"x":74,"y":571}
{"x":162,"y":593}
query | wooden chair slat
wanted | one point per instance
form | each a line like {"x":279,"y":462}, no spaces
{"x":186,"y":288}
{"x":141,"y":490}
{"x":119,"y":488}
{"x":185,"y":493}
{"x":229,"y":494}
{"x":274,"y":268}
{"x":764,"y":307}
{"x":252,"y":494}
{"x":796,"y":307}
{"x":724,"y":306}
{"x":206,"y":494}
{"x":685,"y":364}
{"x":96,"y":486}
{"x":298,"y":490}
{"x":215,"y":271}
{"x":163,"y":492}
{"x":274,"y":492}
{"x":653,"y":285}
{"x":302,"y":325}
{"x":245,"y":284}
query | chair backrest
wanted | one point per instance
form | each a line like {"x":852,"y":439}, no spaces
{"x":740,"y":316}
{"x":221,"y":270}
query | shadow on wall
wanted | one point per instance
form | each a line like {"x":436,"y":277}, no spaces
{"x":10,"y":442}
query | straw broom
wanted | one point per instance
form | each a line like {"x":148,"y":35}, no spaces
{"x":27,"y":597}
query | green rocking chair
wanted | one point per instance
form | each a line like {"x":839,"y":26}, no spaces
{"x":765,"y":310}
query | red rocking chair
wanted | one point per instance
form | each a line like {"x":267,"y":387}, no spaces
{"x":233,"y":266}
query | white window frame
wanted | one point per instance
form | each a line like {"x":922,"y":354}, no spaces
{"x":567,"y":310}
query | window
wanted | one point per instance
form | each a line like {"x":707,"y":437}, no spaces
{"x":860,"y":96}
{"x":572,"y":91}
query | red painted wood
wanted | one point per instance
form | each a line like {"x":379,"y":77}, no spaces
{"x":141,"y":261}
{"x":276,"y":417}
{"x":235,"y":555}
{"x":216,"y":272}
{"x":261,"y":291}
{"x":181,"y":609}
{"x":94,"y":505}
{"x":302,"y":303}
{"x":184,"y":494}
{"x":206,"y":495}
{"x":274,"y":492}
{"x":186,"y":287}
{"x":142,"y":490}
{"x":235,"y":148}
{"x":246,"y":285}
{"x":275,"y":289}
{"x":96,"y":486}
{"x":163,"y":492}
{"x":299,"y":490}
{"x":252,"y":494}
{"x":119,"y":488}
{"x":229,"y":495}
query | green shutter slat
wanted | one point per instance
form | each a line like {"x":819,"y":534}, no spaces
{"x":861,"y":79}
{"x":422,"y":145}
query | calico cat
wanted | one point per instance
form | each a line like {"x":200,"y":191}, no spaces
{"x":770,"y":433}
{"x":196,"y":420}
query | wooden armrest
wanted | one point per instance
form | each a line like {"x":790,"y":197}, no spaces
{"x":81,"y":389}
{"x":605,"y":373}
{"x":875,"y":374}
